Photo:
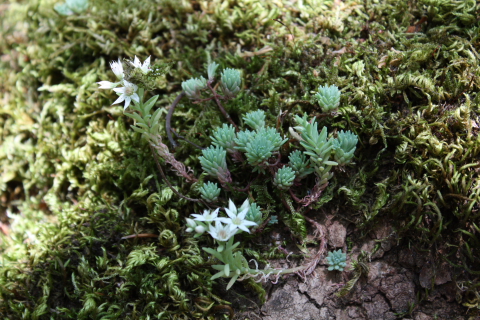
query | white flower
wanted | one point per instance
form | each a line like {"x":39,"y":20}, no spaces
{"x":191,"y":225}
{"x":145,"y":67}
{"x":127,"y":93}
{"x":117,"y":68}
{"x":200,"y":229}
{"x":108,"y":84}
{"x":221,"y":232}
{"x":207,"y":216}
{"x":235,"y":218}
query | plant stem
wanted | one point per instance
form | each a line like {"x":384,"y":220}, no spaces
{"x":166,"y":180}
{"x":220,"y":106}
{"x":168,"y":125}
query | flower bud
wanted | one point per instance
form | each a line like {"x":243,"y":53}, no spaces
{"x":200,"y":229}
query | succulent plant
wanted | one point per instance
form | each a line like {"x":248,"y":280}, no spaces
{"x":273,"y":136}
{"x":344,"y":146}
{"x":234,"y":263}
{"x":242,"y":139}
{"x":71,"y":6}
{"x":318,"y":147}
{"x":284,"y":178}
{"x":255,"y":119}
{"x":214,"y":163}
{"x":254,"y":214}
{"x":211,"y":69}
{"x":231,"y":81}
{"x":193,"y":86}
{"x":224,"y":137}
{"x":336,"y":260}
{"x":258,"y":150}
{"x":328,"y":98}
{"x":273,"y":220}
{"x":210,"y":191}
{"x":300,"y":164}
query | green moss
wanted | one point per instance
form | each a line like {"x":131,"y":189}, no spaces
{"x":75,"y":180}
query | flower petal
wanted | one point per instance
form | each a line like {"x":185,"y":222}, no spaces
{"x":231,"y":214}
{"x":215,"y":213}
{"x":120,"y":99}
{"x":242,"y":214}
{"x":243,"y":228}
{"x":135,"y":97}
{"x":107,"y":84}
{"x":231,"y":206}
{"x":225,"y":220}
{"x":119,"y":90}
{"x":147,"y":62}
{"x":127,"y":102}
{"x":137,"y":62}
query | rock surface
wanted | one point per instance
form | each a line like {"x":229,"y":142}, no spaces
{"x":396,"y":279}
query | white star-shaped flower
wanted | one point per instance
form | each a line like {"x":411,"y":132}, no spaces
{"x":236,"y":218}
{"x":145,"y":67}
{"x":117,"y":68}
{"x":207,"y":216}
{"x":127,"y":94}
{"x":221,"y":232}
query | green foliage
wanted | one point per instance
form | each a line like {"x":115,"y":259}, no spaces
{"x":243,"y":139}
{"x":75,"y":181}
{"x":224,"y":137}
{"x":145,"y":123}
{"x":336,"y":260}
{"x":344,"y":146}
{"x":254,"y":214}
{"x":233,"y":262}
{"x":192,"y":87}
{"x":258,"y":151}
{"x":317,"y":146}
{"x":328,"y":97}
{"x":214,"y":163}
{"x":231,"y":81}
{"x":211,"y":70}
{"x":255,"y":119}
{"x":360,"y":267}
{"x":284,"y":178}
{"x":300,"y":164}
{"x":210,"y":191}
{"x":71,"y":6}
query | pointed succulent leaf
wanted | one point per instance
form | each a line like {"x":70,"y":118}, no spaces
{"x":211,"y":69}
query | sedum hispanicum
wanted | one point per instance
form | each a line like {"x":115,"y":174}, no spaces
{"x":317,"y":146}
{"x":214,"y":163}
{"x":328,"y":97}
{"x":210,"y":191}
{"x":192,"y":87}
{"x":224,"y":137}
{"x":231,"y":81}
{"x":336,"y":260}
{"x":255,"y":119}
{"x":300,"y":164}
{"x":284,"y":178}
{"x":344,"y":146}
